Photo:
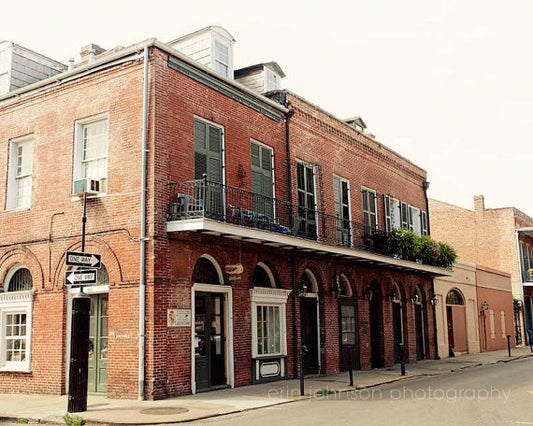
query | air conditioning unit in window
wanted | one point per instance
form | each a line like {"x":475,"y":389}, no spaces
{"x":88,"y":186}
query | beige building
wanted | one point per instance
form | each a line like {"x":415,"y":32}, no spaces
{"x":474,"y":310}
{"x":456,"y":310}
{"x":499,"y":238}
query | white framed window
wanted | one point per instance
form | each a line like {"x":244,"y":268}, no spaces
{"x":222,"y":58}
{"x":91,"y":149}
{"x":16,"y":304}
{"x":269,"y":333}
{"x":20,"y":173}
{"x":370,"y":218}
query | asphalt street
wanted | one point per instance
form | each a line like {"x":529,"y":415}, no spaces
{"x":498,"y":394}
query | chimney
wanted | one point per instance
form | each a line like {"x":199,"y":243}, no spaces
{"x":479,"y":203}
{"x":90,"y":51}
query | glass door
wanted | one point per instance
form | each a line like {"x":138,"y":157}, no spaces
{"x":98,"y":330}
{"x":210,"y":341}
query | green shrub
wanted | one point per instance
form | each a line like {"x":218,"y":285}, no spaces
{"x":73,"y":420}
{"x":446,"y":256}
{"x":406,"y":244}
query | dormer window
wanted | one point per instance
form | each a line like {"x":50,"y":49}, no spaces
{"x":272,"y":81}
{"x":221,"y":62}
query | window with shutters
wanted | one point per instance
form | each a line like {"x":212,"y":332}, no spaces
{"x":370,"y":219}
{"x":208,"y":161}
{"x":20,"y":174}
{"x":15,"y":320}
{"x":262,"y":160}
{"x":306,"y":223}
{"x":527,"y":261}
{"x":341,"y":191}
{"x":404,"y":212}
{"x":424,"y":222}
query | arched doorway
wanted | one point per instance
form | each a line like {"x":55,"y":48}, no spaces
{"x":456,"y":321}
{"x":418,"y":303}
{"x":310,"y":336}
{"x":375,"y":308}
{"x":211,"y":329}
{"x":349,"y":331}
{"x":397,"y":322}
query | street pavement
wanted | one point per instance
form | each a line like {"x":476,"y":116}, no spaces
{"x":102,"y":410}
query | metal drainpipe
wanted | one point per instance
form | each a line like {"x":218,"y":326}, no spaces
{"x":425,"y":185}
{"x":142,"y":278}
{"x":292,"y":260}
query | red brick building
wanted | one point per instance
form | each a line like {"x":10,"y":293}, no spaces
{"x":234,"y":228}
{"x":499,"y":238}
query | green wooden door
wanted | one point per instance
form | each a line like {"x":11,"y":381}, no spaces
{"x":208,"y":150}
{"x":98,"y":331}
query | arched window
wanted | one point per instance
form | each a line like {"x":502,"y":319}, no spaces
{"x":345,"y":287}
{"x":417,"y":297}
{"x":262,"y":276}
{"x":20,"y":281}
{"x":454,"y":298}
{"x":396,"y":295}
{"x":15,"y":320}
{"x":205,"y":272}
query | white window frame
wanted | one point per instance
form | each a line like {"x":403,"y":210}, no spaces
{"x":20,"y":179}
{"x":15,"y":302}
{"x":78,"y":169}
{"x":276,"y":297}
{"x":218,"y":61}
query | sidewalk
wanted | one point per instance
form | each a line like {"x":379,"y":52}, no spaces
{"x":100,"y":410}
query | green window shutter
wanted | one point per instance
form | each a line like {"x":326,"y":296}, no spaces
{"x":337,"y":196}
{"x":208,"y":151}
{"x":388,"y":217}
{"x":261,"y":160}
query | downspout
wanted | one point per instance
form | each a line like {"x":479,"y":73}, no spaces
{"x":142,"y":278}
{"x":293,"y":253}
{"x":425,"y":185}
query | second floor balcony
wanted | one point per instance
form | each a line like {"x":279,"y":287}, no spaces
{"x":217,"y":209}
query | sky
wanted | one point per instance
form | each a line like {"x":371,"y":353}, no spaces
{"x":447,"y":84}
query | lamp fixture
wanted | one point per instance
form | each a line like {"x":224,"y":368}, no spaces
{"x":434,"y":300}
{"x":415,"y":298}
{"x":484,"y":307}
{"x":302,"y":291}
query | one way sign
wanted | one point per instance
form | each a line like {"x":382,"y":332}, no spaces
{"x":84,"y":259}
{"x":81,"y":276}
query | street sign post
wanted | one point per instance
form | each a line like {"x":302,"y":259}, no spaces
{"x":81,"y":277}
{"x":89,"y":260}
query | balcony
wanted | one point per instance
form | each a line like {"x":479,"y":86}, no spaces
{"x":213,"y":208}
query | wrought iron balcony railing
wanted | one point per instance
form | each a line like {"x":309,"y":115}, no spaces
{"x":204,"y":199}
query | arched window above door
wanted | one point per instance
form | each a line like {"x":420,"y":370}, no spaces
{"x":454,"y":298}
{"x":205,"y":272}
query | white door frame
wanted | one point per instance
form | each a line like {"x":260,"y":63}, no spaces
{"x":228,"y":316}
